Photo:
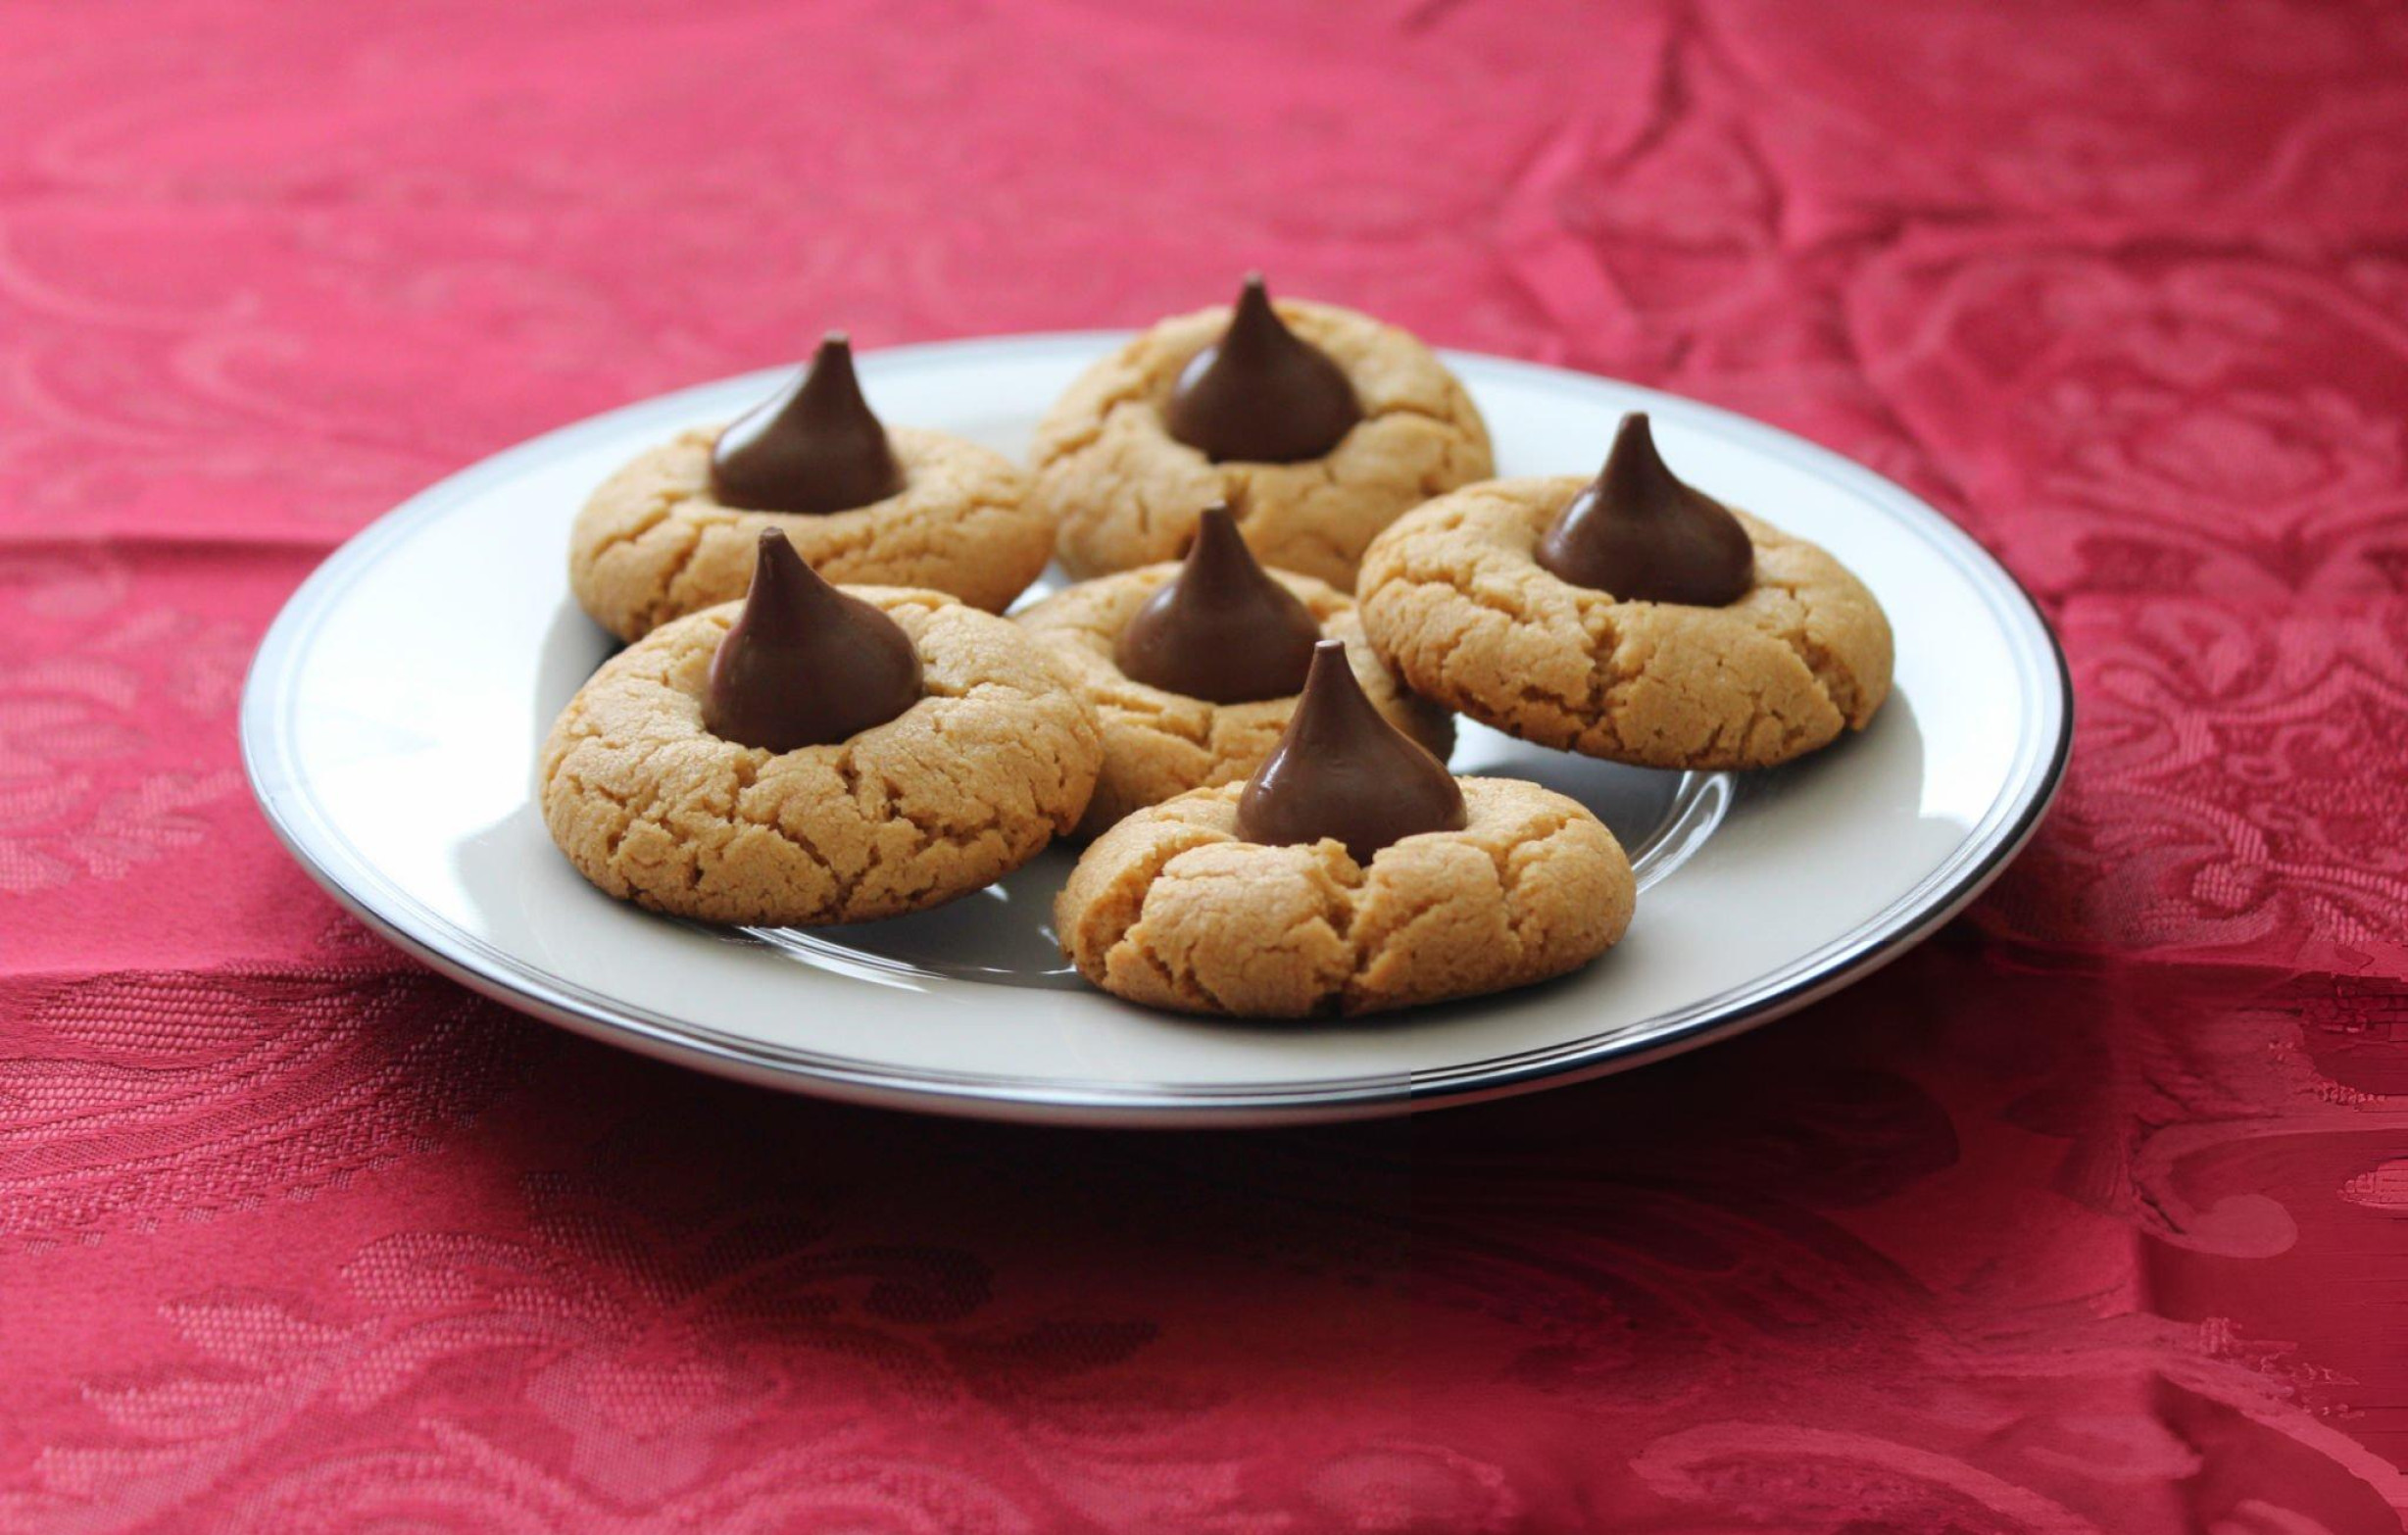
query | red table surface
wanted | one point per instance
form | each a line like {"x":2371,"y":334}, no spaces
{"x":2086,"y":1216}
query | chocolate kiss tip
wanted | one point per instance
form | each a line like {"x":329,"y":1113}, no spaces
{"x":815,"y":447}
{"x":1217,"y":538}
{"x":1635,"y":454}
{"x":805,"y":664}
{"x":778,"y":569}
{"x":1222,"y":629}
{"x":1342,"y":770}
{"x":1636,"y":433}
{"x":1640,"y":533}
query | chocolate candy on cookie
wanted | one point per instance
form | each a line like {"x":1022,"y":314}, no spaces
{"x":1640,"y":531}
{"x":1341,"y":770}
{"x":1317,"y":426}
{"x":815,"y":446}
{"x":673,"y":531}
{"x":1351,"y":874}
{"x":1260,"y":392}
{"x":1622,"y":618}
{"x":1193,"y":666}
{"x":814,"y":755}
{"x":1221,"y":629}
{"x":803,"y":664}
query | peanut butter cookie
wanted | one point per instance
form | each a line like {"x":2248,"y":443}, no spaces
{"x":1172,"y":909}
{"x":1125,"y":490}
{"x":967,"y":784}
{"x":673,"y":531}
{"x":654,"y":544}
{"x":1454,"y":599}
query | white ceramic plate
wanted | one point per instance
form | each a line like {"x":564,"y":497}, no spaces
{"x":392,"y":717}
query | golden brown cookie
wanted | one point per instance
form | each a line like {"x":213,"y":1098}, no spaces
{"x":1157,"y":744}
{"x":1125,"y":493}
{"x":1170,"y":909}
{"x":1454,"y":601}
{"x":964,"y":787}
{"x":652,"y":544}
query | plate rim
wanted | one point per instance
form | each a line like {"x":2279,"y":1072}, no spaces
{"x":402,"y":919}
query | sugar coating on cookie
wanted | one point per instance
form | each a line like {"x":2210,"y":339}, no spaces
{"x":654,"y":544}
{"x":1453,"y":599}
{"x":1125,"y":493}
{"x":1173,"y":909}
{"x":964,"y":786}
{"x":1157,"y":744}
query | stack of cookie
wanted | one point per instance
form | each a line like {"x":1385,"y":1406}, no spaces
{"x":1290,"y":569}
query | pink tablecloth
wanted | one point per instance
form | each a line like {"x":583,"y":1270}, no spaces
{"x":2086,"y":1217}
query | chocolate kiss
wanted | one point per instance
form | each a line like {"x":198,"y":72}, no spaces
{"x":1640,"y":533}
{"x":1259,"y":393}
{"x":804,"y":665}
{"x":813,"y":447}
{"x":1222,"y":629}
{"x":1342,"y":770}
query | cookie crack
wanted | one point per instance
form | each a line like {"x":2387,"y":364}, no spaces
{"x":1147,"y":869}
{"x":1450,"y":419}
{"x":657,"y":609}
{"x":663,"y":506}
{"x":1510,"y":876}
{"x":1144,"y":714}
{"x":1434,"y":672}
{"x":1837,"y":682}
{"x":801,"y":841}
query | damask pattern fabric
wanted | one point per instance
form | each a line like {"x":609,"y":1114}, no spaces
{"x":2091,"y":1215}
